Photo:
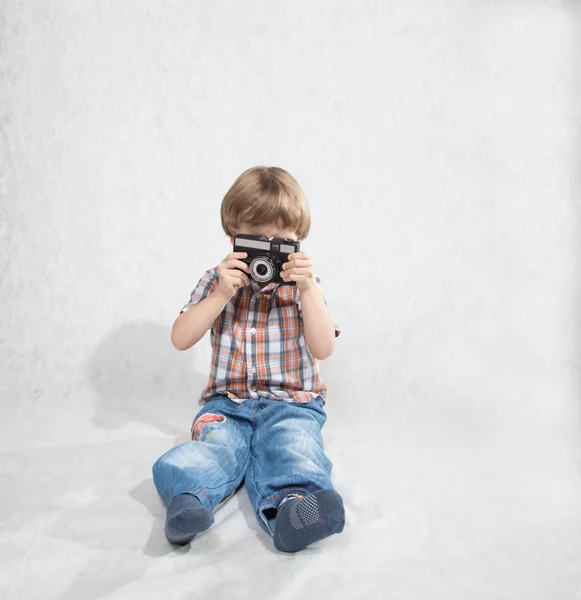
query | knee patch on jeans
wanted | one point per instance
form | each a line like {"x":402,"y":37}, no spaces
{"x":206,"y":419}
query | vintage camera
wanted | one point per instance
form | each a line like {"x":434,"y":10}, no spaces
{"x":265,"y":256}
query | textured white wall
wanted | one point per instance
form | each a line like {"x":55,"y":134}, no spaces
{"x":438,"y":144}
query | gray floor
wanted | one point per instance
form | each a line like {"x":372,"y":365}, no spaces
{"x":447,"y":506}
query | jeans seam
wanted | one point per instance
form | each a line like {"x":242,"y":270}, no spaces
{"x":253,"y":480}
{"x":185,"y":487}
{"x":285,"y":492}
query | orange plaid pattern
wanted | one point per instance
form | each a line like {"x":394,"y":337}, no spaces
{"x":258,"y":346}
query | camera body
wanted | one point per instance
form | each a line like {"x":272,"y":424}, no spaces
{"x":265,"y":256}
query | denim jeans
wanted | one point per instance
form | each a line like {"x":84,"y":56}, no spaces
{"x":276,"y":446}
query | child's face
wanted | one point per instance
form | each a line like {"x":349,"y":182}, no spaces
{"x":267,"y":230}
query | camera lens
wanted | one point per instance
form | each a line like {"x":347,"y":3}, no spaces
{"x":262,"y":269}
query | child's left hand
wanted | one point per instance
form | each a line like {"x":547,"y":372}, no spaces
{"x":299,"y":268}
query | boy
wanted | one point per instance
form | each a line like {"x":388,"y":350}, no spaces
{"x":263,"y":405}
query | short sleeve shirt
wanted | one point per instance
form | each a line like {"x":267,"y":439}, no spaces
{"x":258,"y":344}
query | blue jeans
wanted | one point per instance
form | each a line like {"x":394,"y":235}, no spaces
{"x":276,"y":446}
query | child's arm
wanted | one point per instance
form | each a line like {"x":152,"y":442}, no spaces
{"x":318,"y":323}
{"x":190,"y":327}
{"x":319,"y":329}
{"x":208,"y":301}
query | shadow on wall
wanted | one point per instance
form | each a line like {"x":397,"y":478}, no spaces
{"x":140,"y":377}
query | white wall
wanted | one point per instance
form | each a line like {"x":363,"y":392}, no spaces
{"x":438,"y":144}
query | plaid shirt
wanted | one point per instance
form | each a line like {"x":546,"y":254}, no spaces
{"x":258,"y":346}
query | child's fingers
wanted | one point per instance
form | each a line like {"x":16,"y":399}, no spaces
{"x":297,"y":262}
{"x":241,"y":277}
{"x":296,"y":277}
{"x":236,"y":255}
{"x":298,"y":271}
{"x":303,"y":255}
{"x":236,"y":264}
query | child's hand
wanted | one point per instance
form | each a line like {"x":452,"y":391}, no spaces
{"x":299,"y":268}
{"x":230,"y":278}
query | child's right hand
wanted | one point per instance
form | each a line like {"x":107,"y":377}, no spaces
{"x":229,"y":277}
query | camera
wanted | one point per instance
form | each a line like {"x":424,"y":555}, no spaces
{"x":265,"y":256}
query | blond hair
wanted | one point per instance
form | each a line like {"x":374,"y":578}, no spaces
{"x":266,"y":195}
